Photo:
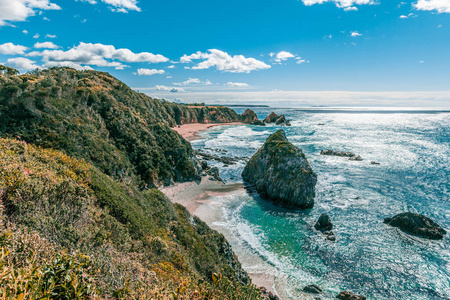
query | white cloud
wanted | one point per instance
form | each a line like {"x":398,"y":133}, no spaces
{"x":149,"y":72}
{"x":20,"y":10}
{"x":411,"y":15}
{"x":282,"y":56}
{"x":25,"y":31}
{"x":169,"y":89}
{"x":237,"y":84}
{"x":46,"y":45}
{"x":86,"y":54}
{"x":22,"y":63}
{"x":301,"y":61}
{"x":193,"y":81}
{"x":36,"y":36}
{"x":224,"y":62}
{"x":11,"y":49}
{"x":356,"y":34}
{"x":50,"y":36}
{"x":345,"y":4}
{"x":441,"y":6}
{"x":119,"y":5}
{"x":170,"y":67}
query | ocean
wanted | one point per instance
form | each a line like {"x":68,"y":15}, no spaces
{"x":368,"y":257}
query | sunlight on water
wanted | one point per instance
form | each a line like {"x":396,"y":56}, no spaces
{"x":368,"y":257}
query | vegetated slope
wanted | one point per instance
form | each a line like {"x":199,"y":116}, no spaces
{"x":94,"y":116}
{"x":56,"y":210}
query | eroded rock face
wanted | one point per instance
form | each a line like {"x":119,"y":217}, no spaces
{"x":418,"y":225}
{"x":250,"y":117}
{"x":278,"y":120}
{"x":281,"y":173}
{"x":352,"y":156}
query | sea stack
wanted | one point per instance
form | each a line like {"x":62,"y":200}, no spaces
{"x":250,"y":117}
{"x":278,"y":120}
{"x":281,"y":173}
{"x":418,"y":225}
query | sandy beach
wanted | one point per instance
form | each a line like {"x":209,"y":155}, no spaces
{"x":191,"y":131}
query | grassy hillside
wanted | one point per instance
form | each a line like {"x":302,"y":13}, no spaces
{"x":93,"y":116}
{"x":68,"y":231}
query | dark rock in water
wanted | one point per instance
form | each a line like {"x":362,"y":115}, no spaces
{"x":321,"y":124}
{"x":374,"y":163}
{"x":281,"y":173}
{"x":282,"y":121}
{"x":352,"y":156}
{"x":279,"y":120}
{"x":250,"y":117}
{"x":214,"y":172}
{"x":418,"y":225}
{"x":271,"y":118}
{"x":267,"y":295}
{"x":204,"y":165}
{"x":312,"y":289}
{"x":356,"y":157}
{"x":349,"y":296}
{"x":324,"y":223}
{"x":329,"y":235}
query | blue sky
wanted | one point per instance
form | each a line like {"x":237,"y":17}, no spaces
{"x":284,"y":52}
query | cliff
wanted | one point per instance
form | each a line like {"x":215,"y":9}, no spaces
{"x":93,"y":116}
{"x":281,"y":173}
{"x":83,"y":221}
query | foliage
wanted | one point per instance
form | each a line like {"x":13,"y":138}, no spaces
{"x":77,"y":233}
{"x":93,"y":116}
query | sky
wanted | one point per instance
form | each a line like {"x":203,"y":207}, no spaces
{"x":281,"y":53}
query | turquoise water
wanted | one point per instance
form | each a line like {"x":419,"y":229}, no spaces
{"x":369,"y":258}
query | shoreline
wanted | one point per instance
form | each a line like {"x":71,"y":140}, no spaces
{"x":204,"y":201}
{"x":190,"y":132}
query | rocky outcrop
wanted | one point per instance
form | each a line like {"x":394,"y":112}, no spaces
{"x":278,"y":120}
{"x":312,"y":289}
{"x":350,"y":155}
{"x":417,"y":225}
{"x":350,"y":296}
{"x":325,"y":226}
{"x":250,"y":117}
{"x":267,"y":295}
{"x":280,"y":173}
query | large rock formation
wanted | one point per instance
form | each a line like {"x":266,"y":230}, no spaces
{"x":281,"y":173}
{"x":279,"y":120}
{"x":250,"y":117}
{"x":418,"y":225}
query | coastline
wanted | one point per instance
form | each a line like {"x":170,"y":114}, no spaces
{"x":203,"y":200}
{"x":190,"y":132}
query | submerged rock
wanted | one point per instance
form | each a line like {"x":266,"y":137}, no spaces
{"x":352,"y":156}
{"x":349,"y":296}
{"x":250,"y":117}
{"x":312,"y":289}
{"x":281,"y":173}
{"x":374,"y":162}
{"x":418,"y":225}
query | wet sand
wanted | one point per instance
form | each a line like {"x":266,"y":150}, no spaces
{"x":191,"y":132}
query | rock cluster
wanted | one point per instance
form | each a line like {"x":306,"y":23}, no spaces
{"x":312,"y":289}
{"x":350,"y":155}
{"x":350,"y":296}
{"x":250,"y":117}
{"x":418,"y":225}
{"x":325,"y":226}
{"x":280,"y":173}
{"x":278,"y":120}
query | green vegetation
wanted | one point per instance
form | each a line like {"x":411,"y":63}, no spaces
{"x":80,"y":155}
{"x":93,"y":116}
{"x":70,"y":231}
